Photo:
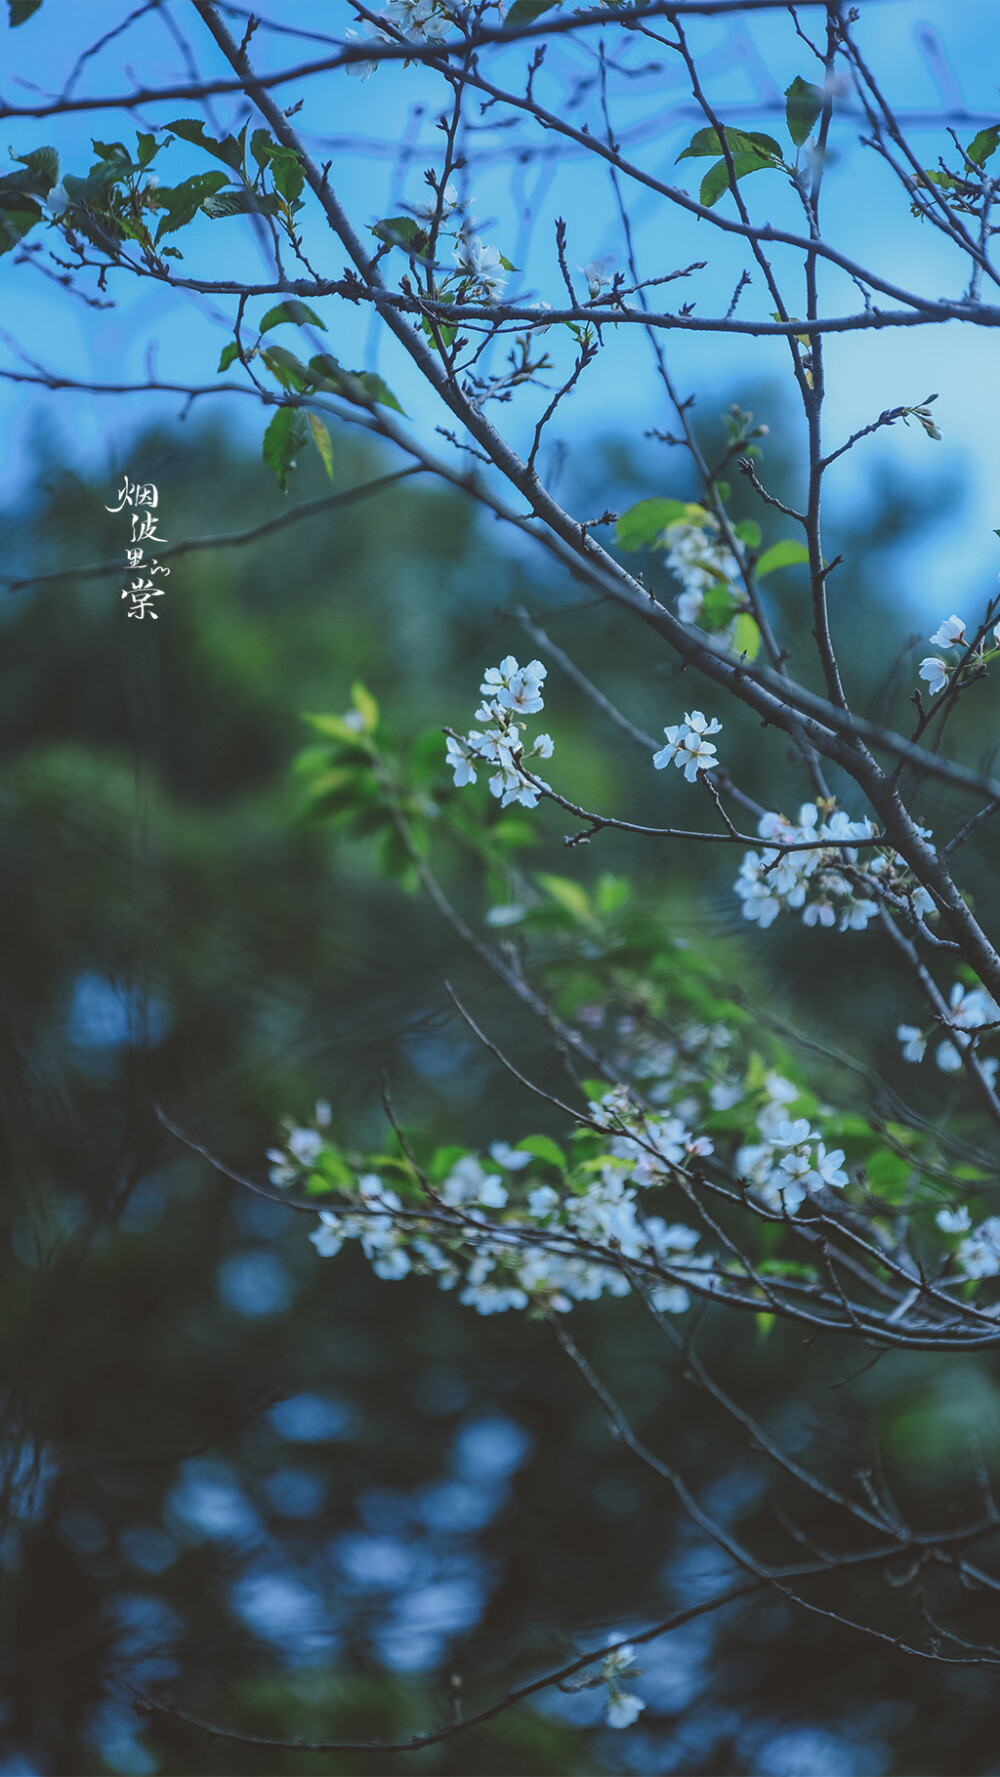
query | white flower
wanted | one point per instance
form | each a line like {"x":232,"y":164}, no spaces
{"x":324,"y":1115}
{"x":328,"y":1238}
{"x":954,"y":1221}
{"x":596,"y":275}
{"x":57,"y":201}
{"x":513,"y":687}
{"x":428,"y":208}
{"x":460,"y":763}
{"x":951,"y":633}
{"x":687,"y":746}
{"x":513,"y":1158}
{"x":979,"y":1256}
{"x":623,"y":1709}
{"x":483,"y":264}
{"x":363,"y":70}
{"x":829,"y":1166}
{"x":542,"y":1201}
{"x":935,"y":671}
{"x":913,"y":1040}
{"x":948,"y":1058}
{"x":306,"y":1145}
{"x":543,"y":747}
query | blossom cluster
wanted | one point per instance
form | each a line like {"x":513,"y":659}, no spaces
{"x":508,"y":692}
{"x":688,"y":746}
{"x":824,"y":879}
{"x":470,"y":1231}
{"x":790,"y":1161}
{"x":969,"y":1009}
{"x":423,"y":21}
{"x":699,"y":559}
{"x":952,"y":635}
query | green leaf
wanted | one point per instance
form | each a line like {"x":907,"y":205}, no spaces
{"x":322,"y":441}
{"x":287,"y":172}
{"x":45,"y":163}
{"x":787,"y":554}
{"x":746,"y":636}
{"x":401,"y":231}
{"x":333,"y":726}
{"x":229,"y":354}
{"x":146,"y":147}
{"x":16,"y":220}
{"x":361,"y":386}
{"x":19,"y":10}
{"x":376,"y":390}
{"x":365,"y":705}
{"x":803,"y":104}
{"x":191,"y":129}
{"x":182,"y":202}
{"x":570,"y":895}
{"x":642,"y":523}
{"x":262,"y":147}
{"x":241,"y":203}
{"x":983,"y":145}
{"x":612,"y":893}
{"x":289,"y":370}
{"x":718,"y":608}
{"x":716,"y":180}
{"x":525,"y":12}
{"x":748,"y":532}
{"x":707,"y":143}
{"x":297,"y":312}
{"x":285,"y":437}
{"x":542,"y":1146}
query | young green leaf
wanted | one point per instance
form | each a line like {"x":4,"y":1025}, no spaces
{"x":748,"y":532}
{"x":297,"y":312}
{"x":229,"y":354}
{"x":322,"y":441}
{"x":542,"y":1146}
{"x":746,"y":636}
{"x":44,"y":162}
{"x":182,"y":202}
{"x":984,"y":144}
{"x":707,"y":142}
{"x":717,"y":608}
{"x":146,"y":147}
{"x":803,"y":104}
{"x":365,"y":705}
{"x":643,"y":523}
{"x":569,"y":894}
{"x":787,"y":554}
{"x":286,"y":435}
{"x":716,"y":180}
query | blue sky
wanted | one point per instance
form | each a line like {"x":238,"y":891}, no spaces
{"x":930,"y":57}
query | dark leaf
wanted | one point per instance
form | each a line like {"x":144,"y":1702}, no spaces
{"x":296,"y":312}
{"x":803,"y":104}
{"x":44,"y":163}
{"x":286,"y":435}
{"x":19,"y":10}
{"x":983,"y":145}
{"x":525,"y":12}
{"x":240,"y":203}
{"x":191,"y":129}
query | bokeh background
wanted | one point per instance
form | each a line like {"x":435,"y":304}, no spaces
{"x":295,"y":1498}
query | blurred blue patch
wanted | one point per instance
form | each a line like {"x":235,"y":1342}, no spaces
{"x":490,"y":1449}
{"x":312,"y":1419}
{"x":256,"y":1284}
{"x":106,"y":1015}
{"x":206,"y":1502}
{"x":284,"y":1611}
{"x":294,"y":1492}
